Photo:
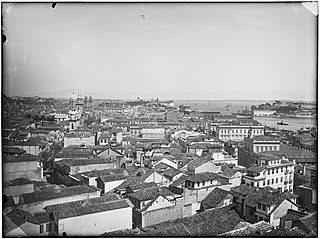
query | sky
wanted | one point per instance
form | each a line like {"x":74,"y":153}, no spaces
{"x":190,"y":51}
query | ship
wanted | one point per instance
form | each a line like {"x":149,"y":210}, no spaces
{"x":282,"y":123}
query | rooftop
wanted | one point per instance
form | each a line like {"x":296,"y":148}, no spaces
{"x":150,"y":193}
{"x":21,"y":158}
{"x":52,"y":193}
{"x":214,"y":198}
{"x":17,"y":181}
{"x":67,"y":211}
{"x":200,"y":177}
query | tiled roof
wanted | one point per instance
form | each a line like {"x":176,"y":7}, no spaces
{"x":111,"y":178}
{"x":9,"y":202}
{"x":214,"y":198}
{"x":18,"y":217}
{"x":137,"y":177}
{"x":30,"y":142}
{"x":293,"y":152}
{"x":105,"y":135}
{"x":308,"y":223}
{"x":66,"y":211}
{"x":74,"y":151}
{"x":150,"y":193}
{"x":228,"y":173}
{"x":171,"y":172}
{"x":80,"y":162}
{"x":51,"y":193}
{"x":141,"y":186}
{"x":12,"y":150}
{"x":18,"y":181}
{"x":205,"y":224}
{"x":180,"y":181}
{"x":97,"y":173}
{"x":42,"y":217}
{"x":264,"y":138}
{"x":200,"y":177}
{"x":256,"y":168}
{"x":293,"y":215}
{"x":21,"y":158}
{"x":198,"y":162}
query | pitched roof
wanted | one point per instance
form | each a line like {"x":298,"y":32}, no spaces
{"x":293,"y":215}
{"x":9,"y":202}
{"x":200,"y":177}
{"x":214,"y":198}
{"x":198,"y":162}
{"x":17,"y":181}
{"x":171,"y":172}
{"x":141,"y":185}
{"x":12,"y":150}
{"x":208,"y":223}
{"x":114,"y":177}
{"x":136,"y":177}
{"x":256,"y":168}
{"x":66,"y":211}
{"x":51,"y":193}
{"x":21,"y":158}
{"x":150,"y":193}
{"x":97,"y":173}
{"x":80,"y":162}
{"x":18,"y":217}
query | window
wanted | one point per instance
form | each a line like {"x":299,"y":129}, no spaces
{"x":259,"y":205}
{"x":41,"y":228}
{"x":203,"y":183}
{"x":277,"y":170}
{"x":276,"y":180}
{"x":198,"y":184}
{"x":268,"y":172}
{"x":281,"y":170}
{"x":268,"y":182}
{"x":264,"y":183}
{"x":48,"y":227}
{"x":272,"y":171}
{"x":281,"y":179}
{"x":272,"y":181}
{"x":264,"y":208}
{"x":211,"y":181}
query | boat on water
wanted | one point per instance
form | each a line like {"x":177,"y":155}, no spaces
{"x":282,"y":123}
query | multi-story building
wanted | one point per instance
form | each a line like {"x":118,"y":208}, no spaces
{"x":236,"y":131}
{"x":271,"y":171}
{"x":253,"y":146}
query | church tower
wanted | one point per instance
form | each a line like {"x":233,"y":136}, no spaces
{"x":90,"y":102}
{"x":85,"y":102}
{"x":73,"y":100}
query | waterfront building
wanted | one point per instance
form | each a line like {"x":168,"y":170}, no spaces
{"x":237,"y":131}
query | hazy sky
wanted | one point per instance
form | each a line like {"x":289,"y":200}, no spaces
{"x":165,"y":50}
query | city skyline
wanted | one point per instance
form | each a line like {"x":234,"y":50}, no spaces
{"x":258,"y":51}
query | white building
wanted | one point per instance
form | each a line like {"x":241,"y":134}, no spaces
{"x":271,"y":171}
{"x":91,"y":217}
{"x":237,"y":132}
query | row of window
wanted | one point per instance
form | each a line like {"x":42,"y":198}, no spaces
{"x":265,"y":148}
{"x":245,"y":131}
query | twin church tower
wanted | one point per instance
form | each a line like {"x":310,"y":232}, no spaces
{"x":78,"y":103}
